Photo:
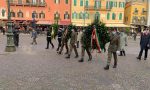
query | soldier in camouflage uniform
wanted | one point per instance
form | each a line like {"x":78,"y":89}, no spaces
{"x":85,"y":45}
{"x":64,"y":42}
{"x":73,"y":41}
{"x":112,"y":49}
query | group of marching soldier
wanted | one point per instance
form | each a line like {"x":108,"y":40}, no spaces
{"x":117,"y":40}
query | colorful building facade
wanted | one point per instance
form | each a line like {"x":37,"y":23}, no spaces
{"x":136,"y":13}
{"x":43,"y":11}
{"x":111,"y":12}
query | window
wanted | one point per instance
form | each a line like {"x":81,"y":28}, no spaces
{"x":66,"y":15}
{"x":97,"y":4}
{"x":27,"y":1}
{"x":113,"y":16}
{"x":57,"y":1}
{"x":34,"y":14}
{"x":108,"y":16}
{"x":19,"y":1}
{"x":3,"y":13}
{"x":34,"y":2}
{"x":74,"y":15}
{"x":42,"y":15}
{"x":81,"y":15}
{"x":107,"y":5}
{"x":120,"y":16}
{"x":86,"y":3}
{"x":66,"y":1}
{"x":87,"y":15}
{"x":97,"y":16}
{"x":56,"y":16}
{"x":81,"y":2}
{"x":12,"y":13}
{"x":75,"y":2}
{"x":20,"y":14}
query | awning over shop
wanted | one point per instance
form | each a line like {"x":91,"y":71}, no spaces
{"x":64,"y":22}
{"x":80,"y":24}
{"x":44,"y":23}
{"x":117,"y":25}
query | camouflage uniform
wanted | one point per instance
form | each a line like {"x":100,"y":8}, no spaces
{"x":64,"y":43}
{"x":73,"y":41}
{"x":112,"y":49}
{"x":85,"y":45}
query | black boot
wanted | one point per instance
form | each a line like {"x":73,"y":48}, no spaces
{"x":81,"y":60}
{"x":115,"y":66}
{"x":124,"y":53}
{"x":139,"y":58}
{"x":76,"y":56}
{"x":57,"y":49}
{"x":68,"y":57}
{"x":121,"y":52}
{"x":66,"y":52}
{"x":107,"y":67}
{"x":90,"y":58}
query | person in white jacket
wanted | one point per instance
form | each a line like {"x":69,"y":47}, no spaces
{"x":123,"y":42}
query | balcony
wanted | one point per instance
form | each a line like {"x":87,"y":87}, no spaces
{"x":141,"y":21}
{"x":93,"y":8}
{"x":39,"y":4}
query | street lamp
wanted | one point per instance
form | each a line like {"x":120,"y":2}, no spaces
{"x":10,"y":47}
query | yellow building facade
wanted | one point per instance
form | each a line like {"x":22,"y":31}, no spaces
{"x":136,"y":13}
{"x":110,"y":12}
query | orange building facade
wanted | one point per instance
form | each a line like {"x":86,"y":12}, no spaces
{"x":45,"y":12}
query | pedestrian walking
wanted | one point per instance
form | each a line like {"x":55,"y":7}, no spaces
{"x":134,"y":35}
{"x":144,"y":44}
{"x":16,"y":36}
{"x":49,"y":38}
{"x":64,"y":42}
{"x":112,"y":49}
{"x":73,"y":41}
{"x":59,"y":36}
{"x":34,"y":36}
{"x":85,"y":45}
{"x":123,"y":41}
{"x":3,"y":30}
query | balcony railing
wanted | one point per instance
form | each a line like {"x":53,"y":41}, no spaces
{"x":94,"y":8}
{"x":38,"y":4}
{"x":139,"y":22}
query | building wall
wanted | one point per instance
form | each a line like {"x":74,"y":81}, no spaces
{"x":102,"y":12}
{"x":61,"y":8}
{"x":49,"y":9}
{"x":130,"y":11}
{"x":79,"y":9}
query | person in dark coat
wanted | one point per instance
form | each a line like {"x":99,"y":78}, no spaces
{"x":49,"y":39}
{"x":16,"y":36}
{"x":144,"y":44}
{"x":59,"y":35}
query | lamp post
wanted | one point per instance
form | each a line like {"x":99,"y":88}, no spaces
{"x":10,"y":47}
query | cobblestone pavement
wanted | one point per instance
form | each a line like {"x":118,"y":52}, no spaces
{"x":35,"y":68}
